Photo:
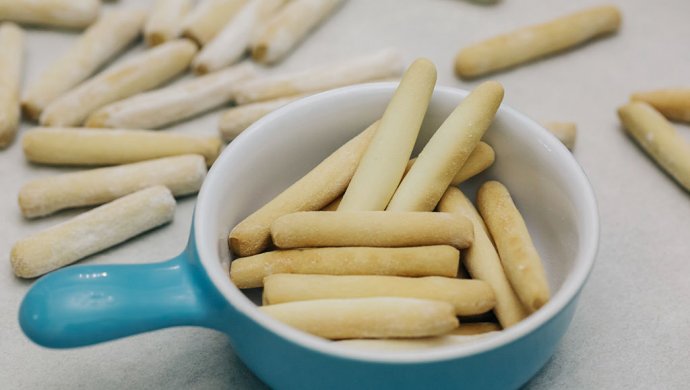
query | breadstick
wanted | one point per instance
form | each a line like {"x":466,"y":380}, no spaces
{"x":384,"y":162}
{"x":92,"y":231}
{"x":416,"y":344}
{"x":482,"y":261}
{"x":367,"y":317}
{"x":236,"y":119}
{"x":54,"y":13}
{"x":475,"y":328}
{"x":333,"y":206}
{"x":519,"y":257}
{"x":315,"y":190}
{"x":11,"y":61}
{"x":164,"y":22}
{"x":208,"y":18}
{"x":84,"y":146}
{"x":289,"y":27}
{"x":447,"y":150}
{"x":181,"y":174}
{"x":371,"y":228}
{"x":480,"y":159}
{"x":530,"y":43}
{"x":160,"y":107}
{"x":145,"y":71}
{"x":674,"y":103}
{"x":659,"y":139}
{"x":383,"y":64}
{"x":437,"y":260}
{"x":566,"y":132}
{"x":467,"y":296}
{"x":95,"y":47}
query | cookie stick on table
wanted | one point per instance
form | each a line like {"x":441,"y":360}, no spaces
{"x":53,"y":13}
{"x":673,"y":103}
{"x":208,"y":17}
{"x":163,"y":24}
{"x":11,"y":61}
{"x":236,"y":119}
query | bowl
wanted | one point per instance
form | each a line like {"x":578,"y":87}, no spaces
{"x":82,"y":305}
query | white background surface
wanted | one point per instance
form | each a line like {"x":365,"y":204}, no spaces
{"x":631,"y":329}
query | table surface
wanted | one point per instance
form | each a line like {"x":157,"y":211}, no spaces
{"x":631,"y":326}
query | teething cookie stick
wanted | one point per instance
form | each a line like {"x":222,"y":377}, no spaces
{"x":412,"y":344}
{"x":208,"y":18}
{"x":447,"y":150}
{"x":315,"y":190}
{"x":476,"y":328}
{"x":92,"y":232}
{"x":566,"y":132}
{"x":84,"y":146}
{"x":236,"y":119}
{"x":11,"y":61}
{"x":97,"y":45}
{"x":160,"y":107}
{"x":367,"y":317}
{"x":519,"y":257}
{"x":674,"y":103}
{"x":384,"y":162}
{"x":181,"y":174}
{"x":54,"y":13}
{"x":164,"y":22}
{"x":480,"y":159}
{"x":659,"y":139}
{"x":482,"y":261}
{"x":530,"y":43}
{"x":434,"y":260}
{"x":145,"y":71}
{"x":371,"y":228}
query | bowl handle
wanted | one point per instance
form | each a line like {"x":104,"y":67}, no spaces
{"x":83,"y":305}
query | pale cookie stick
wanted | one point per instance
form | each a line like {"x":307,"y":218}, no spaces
{"x":447,"y":150}
{"x":289,"y":27}
{"x":367,"y":317}
{"x":371,"y":228}
{"x":11,"y":61}
{"x":92,"y":231}
{"x":482,"y":261}
{"x":673,"y":103}
{"x":161,"y":107}
{"x":54,"y":13}
{"x":95,"y":47}
{"x":236,"y":119}
{"x":145,"y":71}
{"x":164,"y":22}
{"x":566,"y":132}
{"x":313,"y":191}
{"x":435,"y":260}
{"x":480,"y":159}
{"x":208,"y":18}
{"x":181,"y":174}
{"x":383,"y":64}
{"x":530,"y":43}
{"x":383,"y":165}
{"x":84,"y":146}
{"x":519,"y":257}
{"x":412,"y":344}
{"x":467,"y":296}
{"x":659,"y":139}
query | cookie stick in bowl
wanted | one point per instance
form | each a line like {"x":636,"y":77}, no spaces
{"x":673,"y":103}
{"x":11,"y":61}
{"x":163,"y":23}
{"x":481,"y":158}
{"x":566,"y":132}
{"x":53,"y":13}
{"x":208,"y":17}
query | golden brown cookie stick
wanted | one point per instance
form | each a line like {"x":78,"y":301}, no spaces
{"x":236,"y":119}
{"x":673,"y":103}
{"x":519,"y":257}
{"x":659,"y":139}
{"x":371,"y":228}
{"x":530,"y":43}
{"x":482,"y":261}
{"x":566,"y":132}
{"x":315,"y":190}
{"x":164,"y":22}
{"x":92,"y":232}
{"x":480,"y":159}
{"x":367,"y":317}
{"x":208,"y":18}
{"x":52,"y":13}
{"x":11,"y":61}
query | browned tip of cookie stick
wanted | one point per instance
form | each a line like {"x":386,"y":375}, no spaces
{"x":11,"y":61}
{"x":208,"y":18}
{"x":164,"y":21}
{"x":566,"y":132}
{"x":673,"y":103}
{"x":53,"y":13}
{"x":530,"y":43}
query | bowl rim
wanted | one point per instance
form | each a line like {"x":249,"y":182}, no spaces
{"x":569,"y":290}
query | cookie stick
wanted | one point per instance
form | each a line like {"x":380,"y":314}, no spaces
{"x":433,"y":260}
{"x":481,"y":158}
{"x":411,"y":344}
{"x":208,"y":17}
{"x":11,"y":61}
{"x":447,"y":150}
{"x":333,"y":206}
{"x":536,"y":41}
{"x":85,"y":146}
{"x":163,"y":24}
{"x":236,"y":119}
{"x":673,"y":103}
{"x":384,"y":162}
{"x":313,"y":191}
{"x":97,"y":45}
{"x":145,"y":71}
{"x":181,"y":174}
{"x":367,"y":317}
{"x":566,"y":132}
{"x":161,"y":107}
{"x":55,"y":13}
{"x":659,"y":139}
{"x":92,"y":232}
{"x":482,"y":261}
{"x":519,"y":257}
